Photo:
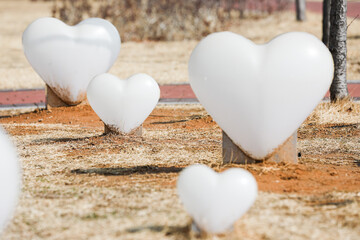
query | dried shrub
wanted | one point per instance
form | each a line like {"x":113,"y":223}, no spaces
{"x":164,"y":19}
{"x":72,"y":12}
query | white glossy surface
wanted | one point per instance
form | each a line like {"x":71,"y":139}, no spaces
{"x":68,"y":57}
{"x":10,"y":178}
{"x":123,"y":104}
{"x":260,"y":94}
{"x":216,"y":201}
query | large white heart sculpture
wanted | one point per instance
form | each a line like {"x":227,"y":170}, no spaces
{"x":260,"y":94}
{"x":216,"y":201}
{"x":9,"y":179}
{"x":68,"y":57}
{"x":123,"y":104}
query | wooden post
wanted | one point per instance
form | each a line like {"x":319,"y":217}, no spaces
{"x":134,"y":132}
{"x":199,"y":233}
{"x":285,"y":153}
{"x":300,"y":6}
{"x":52,"y":100}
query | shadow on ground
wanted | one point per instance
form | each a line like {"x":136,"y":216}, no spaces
{"x":354,"y":37}
{"x":60,"y":140}
{"x":168,"y":230}
{"x":148,"y":169}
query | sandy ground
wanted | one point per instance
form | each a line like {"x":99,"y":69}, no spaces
{"x":80,"y":184}
{"x":165,"y":61}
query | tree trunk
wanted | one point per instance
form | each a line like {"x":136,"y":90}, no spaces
{"x":326,"y":22}
{"x":300,"y":10}
{"x":337,"y":47}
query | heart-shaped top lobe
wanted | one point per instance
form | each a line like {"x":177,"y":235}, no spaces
{"x":123,"y":104}
{"x":68,"y":57}
{"x":9,"y":179}
{"x":260,"y":94}
{"x":216,"y":201}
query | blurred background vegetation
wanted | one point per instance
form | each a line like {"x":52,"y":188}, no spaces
{"x":165,"y":20}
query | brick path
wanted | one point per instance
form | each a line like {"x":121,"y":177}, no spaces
{"x":169,"y":93}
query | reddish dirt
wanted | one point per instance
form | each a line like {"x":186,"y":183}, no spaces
{"x":80,"y":115}
{"x":306,"y":178}
{"x":303,"y":178}
{"x":84,"y":115}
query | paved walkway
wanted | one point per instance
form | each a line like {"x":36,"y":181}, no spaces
{"x":353,"y":8}
{"x":169,"y":93}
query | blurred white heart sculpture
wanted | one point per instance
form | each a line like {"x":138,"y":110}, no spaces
{"x":216,"y":200}
{"x":123,"y":104}
{"x":68,"y":57}
{"x":10,"y":178}
{"x":260,"y":94}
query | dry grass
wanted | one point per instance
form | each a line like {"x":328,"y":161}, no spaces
{"x":338,"y":148}
{"x":165,"y":61}
{"x":140,"y":202}
{"x":129,"y":191}
{"x":15,"y":71}
{"x":344,"y":112}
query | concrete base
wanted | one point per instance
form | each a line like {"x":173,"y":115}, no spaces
{"x":52,"y":100}
{"x":197,"y":231}
{"x":136,"y":132}
{"x":284,"y":153}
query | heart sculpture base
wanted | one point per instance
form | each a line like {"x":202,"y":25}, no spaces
{"x":52,"y":100}
{"x":136,"y":132}
{"x":284,"y":153}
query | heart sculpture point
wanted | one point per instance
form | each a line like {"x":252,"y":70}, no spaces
{"x":216,"y":200}
{"x":123,"y":104}
{"x":68,"y":57}
{"x":10,"y":179}
{"x":260,"y":94}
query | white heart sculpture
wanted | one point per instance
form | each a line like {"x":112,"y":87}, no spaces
{"x":68,"y":57}
{"x":215,"y":201}
{"x":123,"y":104}
{"x":260,"y":94}
{"x":9,"y":179}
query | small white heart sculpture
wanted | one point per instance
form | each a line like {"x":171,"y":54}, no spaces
{"x":123,"y":104}
{"x":68,"y":57}
{"x":9,"y":179}
{"x":216,"y":201}
{"x":260,"y":94}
